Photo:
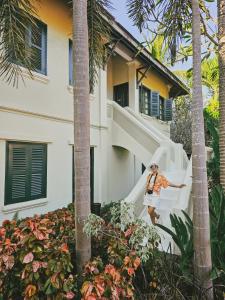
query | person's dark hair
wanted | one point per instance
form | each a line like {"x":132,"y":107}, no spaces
{"x":154,"y":165}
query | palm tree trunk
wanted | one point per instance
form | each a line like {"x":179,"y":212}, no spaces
{"x":221,"y":31}
{"x":81,"y":129}
{"x":202,"y":248}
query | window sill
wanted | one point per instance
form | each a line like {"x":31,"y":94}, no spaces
{"x":35,"y":76}
{"x":23,"y":205}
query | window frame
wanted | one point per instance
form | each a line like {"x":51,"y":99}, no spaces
{"x":8,"y":200}
{"x":43,"y":48}
{"x":44,"y":44}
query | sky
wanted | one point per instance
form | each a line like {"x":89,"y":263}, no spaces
{"x":120,"y":13}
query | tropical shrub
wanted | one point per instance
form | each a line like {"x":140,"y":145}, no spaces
{"x":36,"y":257}
{"x":212,"y":139}
{"x":217,"y":218}
{"x":125,"y":246}
{"x":180,"y":128}
{"x":183,"y":237}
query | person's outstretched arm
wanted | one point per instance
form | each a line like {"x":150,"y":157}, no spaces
{"x":179,"y":186}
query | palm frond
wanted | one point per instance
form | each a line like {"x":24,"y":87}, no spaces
{"x":99,"y":35}
{"x":139,"y":11}
{"x":15,"y":17}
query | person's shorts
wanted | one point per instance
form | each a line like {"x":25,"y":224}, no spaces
{"x":152,"y":200}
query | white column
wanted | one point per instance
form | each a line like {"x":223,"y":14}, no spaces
{"x":103,"y":97}
{"x":133,"y":90}
{"x":101,"y":152}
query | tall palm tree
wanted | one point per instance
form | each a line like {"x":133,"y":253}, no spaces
{"x":221,"y":36}
{"x":89,"y":28}
{"x":202,"y":247}
{"x":176,"y":17}
{"x":81,"y":129}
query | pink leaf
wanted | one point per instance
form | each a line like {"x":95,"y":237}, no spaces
{"x":70,"y":295}
{"x":28,"y":258}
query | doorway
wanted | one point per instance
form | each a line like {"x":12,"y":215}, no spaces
{"x":121,"y":94}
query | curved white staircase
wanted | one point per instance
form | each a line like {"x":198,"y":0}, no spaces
{"x":148,"y":144}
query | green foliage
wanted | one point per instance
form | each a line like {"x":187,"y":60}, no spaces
{"x":106,"y":210}
{"x":212,"y":140}
{"x":99,"y":32}
{"x":183,"y":237}
{"x":131,"y":234}
{"x":15,"y":17}
{"x":36,"y":257}
{"x":217,"y":214}
{"x":181,"y":125}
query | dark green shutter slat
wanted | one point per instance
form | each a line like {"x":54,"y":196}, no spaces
{"x":155,"y":104}
{"x":168,"y":110}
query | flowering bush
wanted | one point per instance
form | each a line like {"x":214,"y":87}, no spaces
{"x":35,"y":257}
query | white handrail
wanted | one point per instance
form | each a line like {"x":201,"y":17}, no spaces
{"x":131,"y":118}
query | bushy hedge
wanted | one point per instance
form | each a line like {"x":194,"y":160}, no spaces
{"x":36,"y":257}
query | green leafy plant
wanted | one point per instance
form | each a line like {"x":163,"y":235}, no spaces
{"x":212,"y":134}
{"x":36,"y":257}
{"x":183,"y":237}
{"x":217,"y":213}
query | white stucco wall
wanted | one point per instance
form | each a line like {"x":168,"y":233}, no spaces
{"x":42,"y":111}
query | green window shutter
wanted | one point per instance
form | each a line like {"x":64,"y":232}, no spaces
{"x":155,"y":104}
{"x":140,"y":99}
{"x":16,"y":173}
{"x":168,"y":110}
{"x":38,"y":171}
{"x":26,"y":172}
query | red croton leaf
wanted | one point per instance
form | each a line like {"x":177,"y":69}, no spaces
{"x":6,"y":223}
{"x":130,"y":271}
{"x":128,"y":232}
{"x":28,"y":258}
{"x":8,"y":261}
{"x":64,"y":248}
{"x":70,"y":295}
{"x":7,"y":242}
{"x":36,"y":265}
{"x":137,"y":262}
{"x":2,"y":232}
{"x":30,"y":291}
{"x":126,"y":260}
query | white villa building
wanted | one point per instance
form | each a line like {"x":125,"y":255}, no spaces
{"x":130,"y":112}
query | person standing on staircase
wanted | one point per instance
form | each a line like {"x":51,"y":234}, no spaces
{"x":155,"y":181}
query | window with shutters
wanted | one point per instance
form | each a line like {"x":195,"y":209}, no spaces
{"x":26,"y":172}
{"x":70,"y":62}
{"x":36,"y":35}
